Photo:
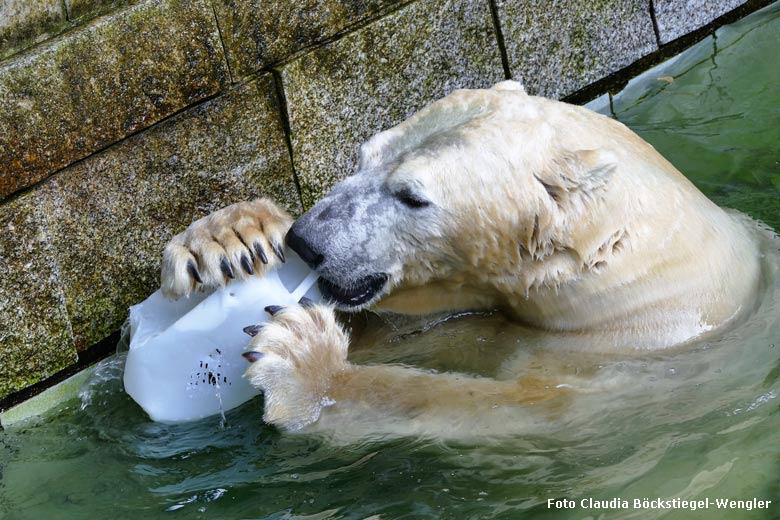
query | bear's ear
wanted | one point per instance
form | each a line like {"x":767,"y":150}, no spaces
{"x":575,"y":176}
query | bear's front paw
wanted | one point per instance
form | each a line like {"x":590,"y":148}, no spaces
{"x":294,"y":358}
{"x":234,"y":242}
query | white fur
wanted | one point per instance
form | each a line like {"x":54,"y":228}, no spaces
{"x":563,"y":217}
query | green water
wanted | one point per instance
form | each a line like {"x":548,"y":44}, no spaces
{"x":694,"y":423}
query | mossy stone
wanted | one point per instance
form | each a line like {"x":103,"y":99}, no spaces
{"x":113,"y":213}
{"x":105,"y":81}
{"x":341,"y":94}
{"x":26,"y":22}
{"x":258,"y":33}
{"x":35,"y":334}
{"x":554,"y":49}
{"x":677,"y":18}
{"x":85,"y":9}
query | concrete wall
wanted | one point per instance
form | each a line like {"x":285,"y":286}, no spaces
{"x":122,"y":121}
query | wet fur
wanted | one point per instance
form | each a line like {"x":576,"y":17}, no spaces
{"x":564,"y":218}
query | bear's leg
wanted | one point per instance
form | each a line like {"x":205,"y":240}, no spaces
{"x":299,"y":361}
{"x":234,"y":242}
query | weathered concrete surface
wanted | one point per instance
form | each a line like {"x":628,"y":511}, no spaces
{"x":676,"y":18}
{"x":35,"y":334}
{"x":27,"y":411}
{"x":341,"y":94}
{"x":259,"y":32}
{"x":84,"y":9}
{"x":114,"y":212}
{"x":98,"y":84}
{"x":556,"y":49}
{"x":25,"y":22}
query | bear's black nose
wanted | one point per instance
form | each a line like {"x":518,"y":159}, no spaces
{"x":304,"y":250}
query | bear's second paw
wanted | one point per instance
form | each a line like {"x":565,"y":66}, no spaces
{"x":294,"y":358}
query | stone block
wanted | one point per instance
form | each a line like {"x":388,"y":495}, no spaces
{"x":104,"y":82}
{"x":113,"y":213}
{"x":84,"y":9}
{"x":341,"y":94}
{"x":26,"y":22}
{"x":35,"y":333}
{"x":258,"y":33}
{"x":676,"y":18}
{"x":556,"y":48}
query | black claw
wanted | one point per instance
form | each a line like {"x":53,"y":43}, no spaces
{"x":278,"y":251}
{"x":227,"y":270}
{"x":253,"y":330}
{"x":193,"y":270}
{"x":260,"y":252}
{"x":306,"y":302}
{"x":252,"y":355}
{"x":273,"y":309}
{"x":246,"y":263}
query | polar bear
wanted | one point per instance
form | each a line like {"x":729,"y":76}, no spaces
{"x":485,"y":199}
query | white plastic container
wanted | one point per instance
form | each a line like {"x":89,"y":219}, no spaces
{"x":185,"y":361}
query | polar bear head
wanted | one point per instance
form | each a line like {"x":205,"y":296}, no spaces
{"x":484,"y":191}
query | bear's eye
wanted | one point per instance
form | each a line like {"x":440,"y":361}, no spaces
{"x":410,"y":199}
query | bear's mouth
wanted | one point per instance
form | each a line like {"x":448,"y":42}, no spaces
{"x":357,"y":293}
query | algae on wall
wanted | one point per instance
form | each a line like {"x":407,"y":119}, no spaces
{"x":259,"y":33}
{"x":341,"y":94}
{"x":26,"y":22}
{"x":555,"y":52}
{"x":36,"y":339}
{"x":93,"y":87}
